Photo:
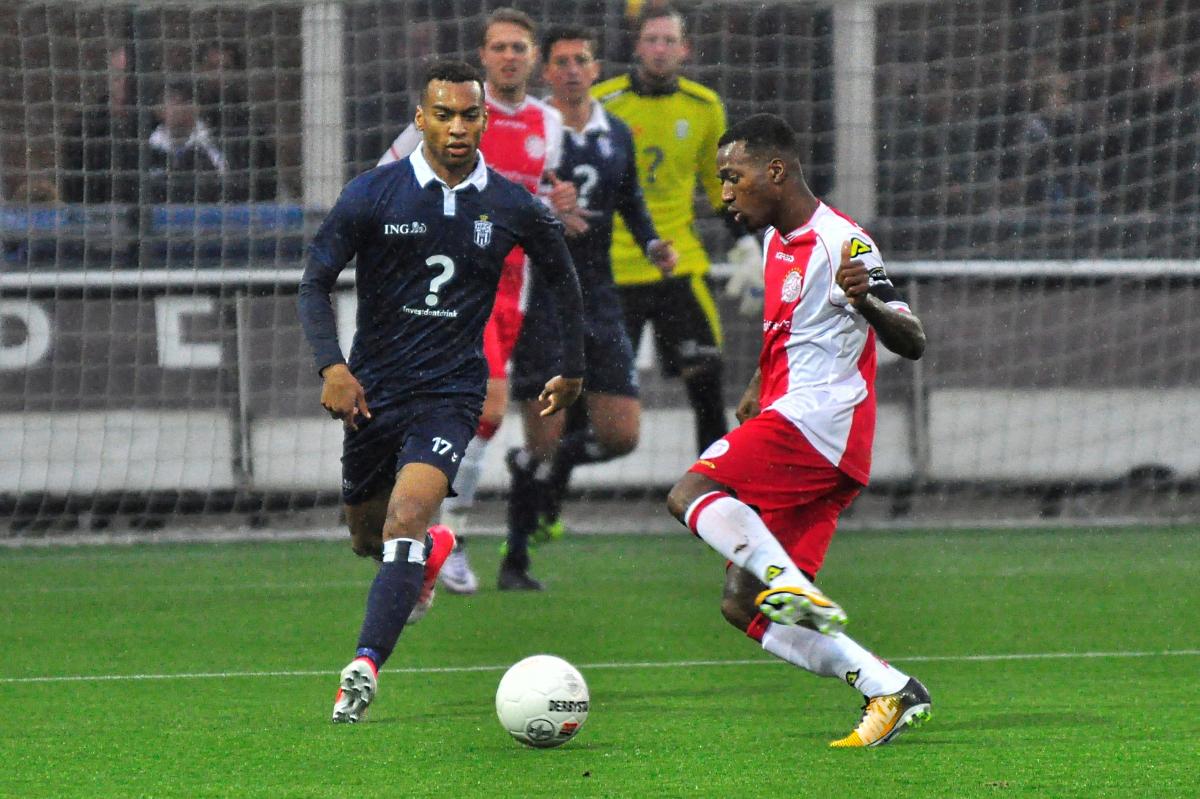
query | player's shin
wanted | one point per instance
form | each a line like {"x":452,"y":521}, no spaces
{"x":733,"y":529}
{"x":577,"y":448}
{"x":466,"y":483}
{"x":523,"y":504}
{"x":392,"y":597}
{"x":836,"y":656}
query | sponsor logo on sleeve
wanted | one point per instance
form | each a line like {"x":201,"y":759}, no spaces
{"x":858,"y":247}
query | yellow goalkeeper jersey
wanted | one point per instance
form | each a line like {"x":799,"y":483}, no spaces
{"x":675,"y":136}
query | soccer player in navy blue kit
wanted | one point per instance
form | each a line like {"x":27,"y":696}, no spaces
{"x":430,"y":234}
{"x":598,"y":157}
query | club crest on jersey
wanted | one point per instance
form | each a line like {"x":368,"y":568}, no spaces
{"x":792,"y":285}
{"x":681,"y":128}
{"x":605,"y":146}
{"x":483,"y":231}
{"x":535,"y":147}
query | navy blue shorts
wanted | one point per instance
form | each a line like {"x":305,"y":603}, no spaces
{"x":538,"y":356}
{"x":432,"y":430}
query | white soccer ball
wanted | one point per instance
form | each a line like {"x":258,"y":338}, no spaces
{"x":542,"y":701}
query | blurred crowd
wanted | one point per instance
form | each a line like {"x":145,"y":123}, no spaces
{"x":984,"y":109}
{"x":195,"y":143}
{"x":1094,"y":109}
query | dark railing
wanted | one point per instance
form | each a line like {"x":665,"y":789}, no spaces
{"x":72,"y":237}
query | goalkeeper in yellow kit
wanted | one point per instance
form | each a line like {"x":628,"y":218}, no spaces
{"x":676,"y":123}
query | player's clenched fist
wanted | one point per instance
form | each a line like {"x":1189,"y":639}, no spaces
{"x":343,"y":396}
{"x":852,"y":277}
{"x":560,"y":392}
{"x":662,"y":254}
{"x":563,"y":194}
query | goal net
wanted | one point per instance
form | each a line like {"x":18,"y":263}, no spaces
{"x":1029,"y":169}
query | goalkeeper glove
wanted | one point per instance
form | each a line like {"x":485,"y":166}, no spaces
{"x":746,"y":275}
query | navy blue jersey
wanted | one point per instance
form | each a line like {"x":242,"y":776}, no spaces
{"x":601,"y":163}
{"x":428,"y":261}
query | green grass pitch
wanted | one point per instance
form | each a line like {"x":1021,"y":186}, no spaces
{"x":251,"y":637}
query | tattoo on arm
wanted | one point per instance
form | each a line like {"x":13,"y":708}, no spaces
{"x":900,"y":332}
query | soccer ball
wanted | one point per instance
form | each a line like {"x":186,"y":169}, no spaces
{"x":542,"y":701}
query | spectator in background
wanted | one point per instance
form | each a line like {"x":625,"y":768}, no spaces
{"x":185,"y":164}
{"x":1053,"y":154}
{"x":1162,"y":146}
{"x":221,"y":88}
{"x":1186,"y":185}
{"x":221,"y":98}
{"x":100,"y":149}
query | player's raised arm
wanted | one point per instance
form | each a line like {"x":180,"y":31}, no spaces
{"x":872,"y":294}
{"x":335,"y":243}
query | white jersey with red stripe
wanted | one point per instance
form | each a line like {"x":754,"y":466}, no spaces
{"x":818,"y":354}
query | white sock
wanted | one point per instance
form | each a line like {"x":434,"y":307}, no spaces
{"x":835,"y":656}
{"x":466,"y":482}
{"x":736,"y":531}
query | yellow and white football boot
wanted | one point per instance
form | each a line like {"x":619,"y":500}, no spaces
{"x":885,"y":717}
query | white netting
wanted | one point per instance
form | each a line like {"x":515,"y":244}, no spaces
{"x":150,"y":353}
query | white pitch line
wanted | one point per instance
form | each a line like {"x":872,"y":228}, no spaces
{"x":670,"y":664}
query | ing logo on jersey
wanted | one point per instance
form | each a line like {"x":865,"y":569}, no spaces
{"x":715,"y":450}
{"x":858,"y":247}
{"x":483,"y":231}
{"x":773,"y":572}
{"x":851,"y":677}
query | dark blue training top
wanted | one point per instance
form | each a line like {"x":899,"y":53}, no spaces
{"x":429,"y":260}
{"x":600,"y":161}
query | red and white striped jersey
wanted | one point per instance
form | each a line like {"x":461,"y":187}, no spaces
{"x":818,"y":353}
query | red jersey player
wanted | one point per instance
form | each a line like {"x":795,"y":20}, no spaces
{"x":523,"y":142}
{"x":767,"y":496}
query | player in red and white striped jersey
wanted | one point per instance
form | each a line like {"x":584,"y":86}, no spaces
{"x":523,"y":141}
{"x":767,"y":496}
